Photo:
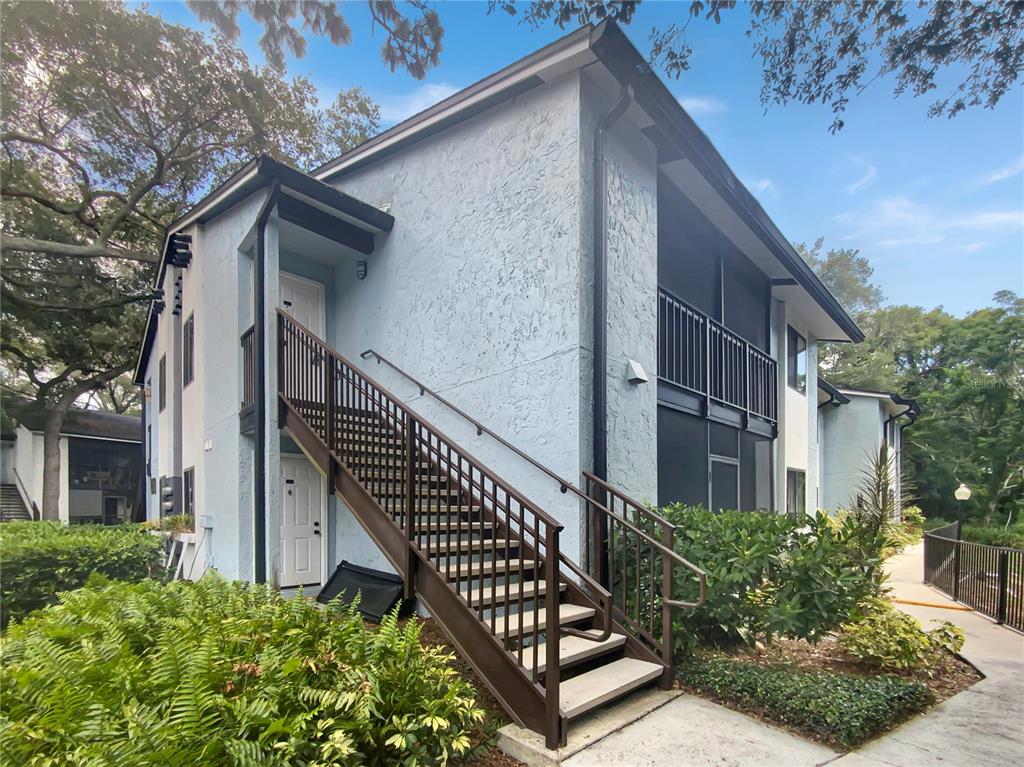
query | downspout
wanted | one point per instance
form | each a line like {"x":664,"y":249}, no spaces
{"x":145,"y":456}
{"x":600,"y":412}
{"x":260,"y":462}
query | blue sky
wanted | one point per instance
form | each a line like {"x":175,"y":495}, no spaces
{"x":937,"y":205}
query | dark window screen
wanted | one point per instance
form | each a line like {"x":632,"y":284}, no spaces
{"x":746,"y":298}
{"x":682,"y":458}
{"x":722,"y":440}
{"x":724,"y":490}
{"x":755,"y":472}
{"x":687,"y":251}
{"x":188,"y":353}
{"x":162,"y":382}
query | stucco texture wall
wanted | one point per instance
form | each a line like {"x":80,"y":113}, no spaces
{"x":851,"y":433}
{"x":632,"y":285}
{"x":476,"y":291}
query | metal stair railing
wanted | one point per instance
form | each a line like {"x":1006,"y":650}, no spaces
{"x":608,"y":524}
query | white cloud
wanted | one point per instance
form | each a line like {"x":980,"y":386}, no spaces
{"x":866,"y":179}
{"x":703,"y":105}
{"x":1014,"y":168}
{"x":973,"y":247}
{"x":398,"y":107}
{"x":896,"y":222}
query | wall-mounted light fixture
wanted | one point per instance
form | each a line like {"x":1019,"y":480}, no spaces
{"x":360,"y":270}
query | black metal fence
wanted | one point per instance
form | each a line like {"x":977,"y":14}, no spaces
{"x":989,"y":579}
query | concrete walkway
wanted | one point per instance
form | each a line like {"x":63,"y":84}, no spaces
{"x":980,"y":727}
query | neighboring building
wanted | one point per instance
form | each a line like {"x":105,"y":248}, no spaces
{"x":101,"y":466}
{"x":563,"y":210}
{"x":853,"y":425}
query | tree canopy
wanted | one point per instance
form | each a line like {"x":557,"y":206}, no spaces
{"x":963,"y":53}
{"x":115,"y":122}
{"x":966,"y":373}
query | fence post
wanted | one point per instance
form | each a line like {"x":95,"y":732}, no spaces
{"x":554,"y":735}
{"x":410,"y":504}
{"x":666,"y":611}
{"x":1004,"y":570}
{"x":956,"y":566}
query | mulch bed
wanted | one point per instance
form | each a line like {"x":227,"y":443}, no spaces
{"x":483,"y":753}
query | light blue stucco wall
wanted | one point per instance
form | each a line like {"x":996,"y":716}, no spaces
{"x":226,"y":489}
{"x":477,"y":290}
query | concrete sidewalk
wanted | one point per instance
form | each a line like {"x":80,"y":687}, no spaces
{"x":980,"y":727}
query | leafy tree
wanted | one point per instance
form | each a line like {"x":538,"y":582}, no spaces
{"x":114,"y":122}
{"x":414,"y":45}
{"x":828,"y":51}
{"x":847,"y":274}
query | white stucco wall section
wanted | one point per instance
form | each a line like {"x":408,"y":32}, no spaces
{"x":477,"y":290}
{"x":852,"y":433}
{"x":28,"y":463}
{"x":632,"y":285}
{"x":224,"y":492}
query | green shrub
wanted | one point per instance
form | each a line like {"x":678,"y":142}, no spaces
{"x":890,"y":639}
{"x":218,"y":673}
{"x":995,"y":535}
{"x":839,"y":708}
{"x":909,"y":529}
{"x":42,"y":559}
{"x":770,"y":575}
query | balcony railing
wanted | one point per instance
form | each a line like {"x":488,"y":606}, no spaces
{"x":701,"y":355}
{"x":248,"y":368}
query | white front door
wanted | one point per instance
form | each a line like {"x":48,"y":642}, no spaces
{"x":301,"y":523}
{"x":304,"y":300}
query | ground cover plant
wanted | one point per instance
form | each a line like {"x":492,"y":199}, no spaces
{"x":42,"y":559}
{"x":219,"y":673}
{"x":841,"y":709}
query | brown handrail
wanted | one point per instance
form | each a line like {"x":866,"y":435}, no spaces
{"x":565,"y":485}
{"x":361,"y":423}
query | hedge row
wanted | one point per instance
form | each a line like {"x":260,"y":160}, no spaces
{"x":42,"y":559}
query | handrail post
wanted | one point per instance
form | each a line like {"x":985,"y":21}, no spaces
{"x":667,"y":531}
{"x":1004,"y":571}
{"x":411,"y":426}
{"x":552,"y":630}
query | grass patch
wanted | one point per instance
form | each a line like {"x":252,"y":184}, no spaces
{"x":839,"y":709}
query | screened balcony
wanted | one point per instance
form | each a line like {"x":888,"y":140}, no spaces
{"x":715,"y":366}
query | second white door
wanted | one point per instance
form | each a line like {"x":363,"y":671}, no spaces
{"x":301,"y":523}
{"x":304,"y":300}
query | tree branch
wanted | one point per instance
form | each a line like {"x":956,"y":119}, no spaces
{"x":68,"y":250}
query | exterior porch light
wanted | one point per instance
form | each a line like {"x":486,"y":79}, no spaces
{"x":360,"y":270}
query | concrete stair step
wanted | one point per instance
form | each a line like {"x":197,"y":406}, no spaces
{"x":486,"y":595}
{"x":573,"y":650}
{"x":466,"y":544}
{"x":608,"y":682}
{"x":567,"y":614}
{"x":494,"y":567}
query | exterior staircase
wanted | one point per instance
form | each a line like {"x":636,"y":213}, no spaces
{"x":550,"y":639}
{"x":12,"y":506}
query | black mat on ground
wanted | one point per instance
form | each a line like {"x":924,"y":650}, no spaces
{"x":380,"y":591}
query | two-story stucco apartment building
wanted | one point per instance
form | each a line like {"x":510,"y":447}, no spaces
{"x":557,"y":252}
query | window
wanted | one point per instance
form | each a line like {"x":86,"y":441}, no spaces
{"x":796,"y":492}
{"x":149,"y":450}
{"x":796,"y":361}
{"x":162,"y":382}
{"x":188,"y":492}
{"x":188,"y":351}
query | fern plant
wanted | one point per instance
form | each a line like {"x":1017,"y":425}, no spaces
{"x":219,"y":673}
